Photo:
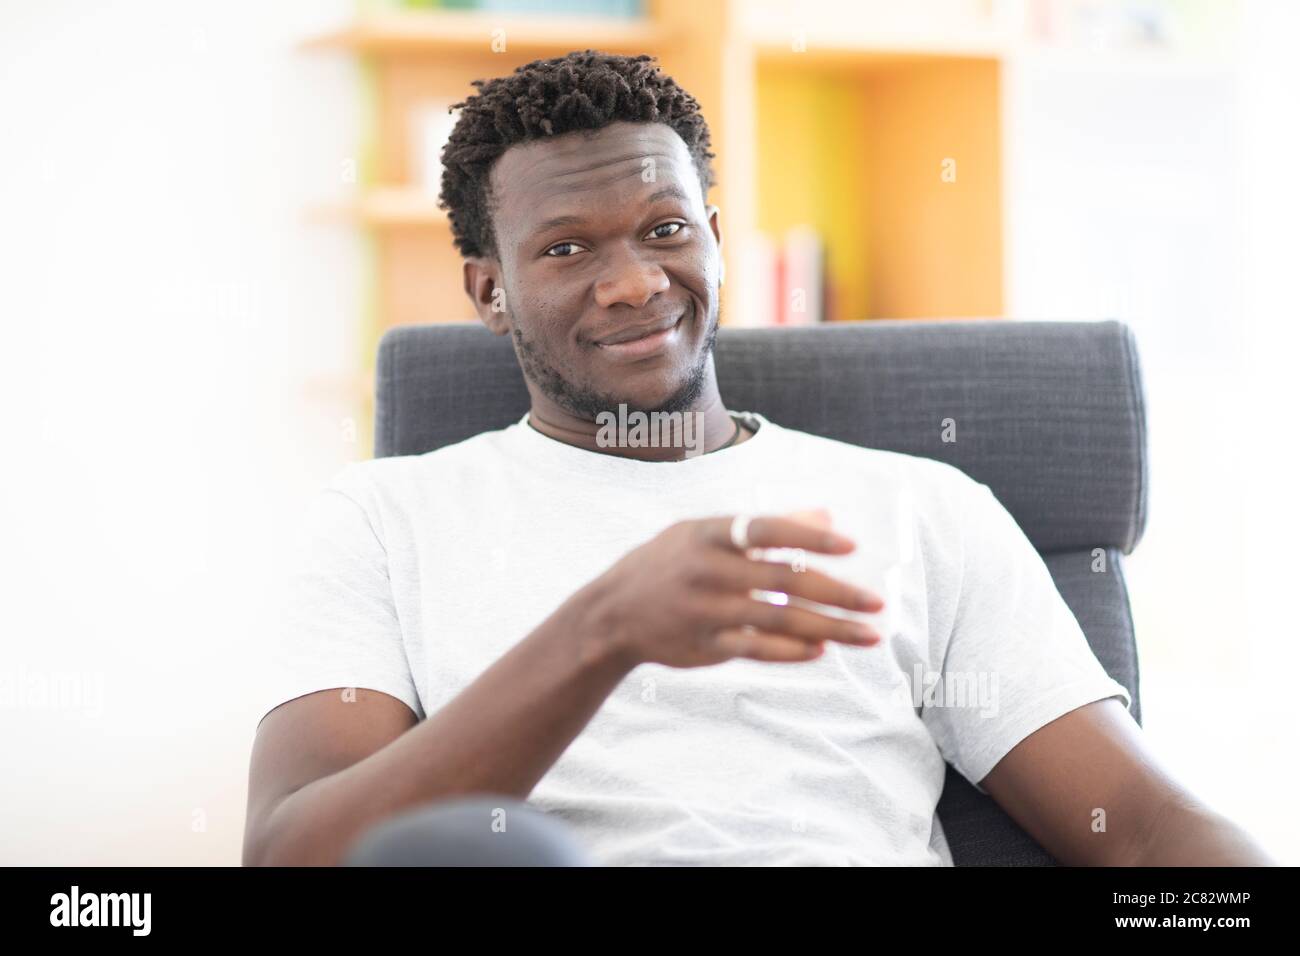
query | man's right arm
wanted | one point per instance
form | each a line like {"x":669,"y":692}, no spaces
{"x":324,"y":769}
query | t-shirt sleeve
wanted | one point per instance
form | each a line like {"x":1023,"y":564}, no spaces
{"x":338,"y":626}
{"x":1016,"y":658}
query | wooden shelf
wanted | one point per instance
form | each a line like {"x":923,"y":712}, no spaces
{"x":419,"y":32}
{"x":850,"y":50}
{"x":385,"y":207}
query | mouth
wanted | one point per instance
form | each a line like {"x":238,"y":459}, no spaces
{"x":647,"y":344}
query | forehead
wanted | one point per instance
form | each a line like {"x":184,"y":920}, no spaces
{"x":545,"y":178}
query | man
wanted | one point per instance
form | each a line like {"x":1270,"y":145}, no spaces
{"x":658,"y":645}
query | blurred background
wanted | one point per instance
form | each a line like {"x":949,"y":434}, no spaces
{"x":210,"y":213}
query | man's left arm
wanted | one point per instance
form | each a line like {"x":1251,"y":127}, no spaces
{"x":1088,"y":789}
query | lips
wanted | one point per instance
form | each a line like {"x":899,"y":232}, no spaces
{"x":633,"y":332}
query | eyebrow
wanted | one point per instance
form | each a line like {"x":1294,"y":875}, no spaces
{"x":668,"y":192}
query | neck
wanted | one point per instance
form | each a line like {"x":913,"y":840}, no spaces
{"x":710,"y":428}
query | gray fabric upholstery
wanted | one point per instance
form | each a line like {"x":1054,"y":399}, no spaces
{"x":1048,"y":414}
{"x":978,"y":831}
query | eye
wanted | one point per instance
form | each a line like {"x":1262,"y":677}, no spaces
{"x":562,"y":245}
{"x":674,"y":226}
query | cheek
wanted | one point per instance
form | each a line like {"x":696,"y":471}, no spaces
{"x":699,"y":268}
{"x":549,"y":311}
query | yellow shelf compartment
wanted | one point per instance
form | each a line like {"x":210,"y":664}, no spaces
{"x":855,"y":145}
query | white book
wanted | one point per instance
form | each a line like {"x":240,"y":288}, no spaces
{"x":802,"y":298}
{"x":757,"y":263}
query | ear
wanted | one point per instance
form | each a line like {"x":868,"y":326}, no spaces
{"x":714,"y":214}
{"x":484,"y":287}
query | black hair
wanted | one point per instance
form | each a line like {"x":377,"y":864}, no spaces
{"x":584,"y":90}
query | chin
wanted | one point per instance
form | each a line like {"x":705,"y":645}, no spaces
{"x":675,"y":395}
{"x":667,"y":385}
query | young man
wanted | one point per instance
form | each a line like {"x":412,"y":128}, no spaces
{"x":599,"y":627}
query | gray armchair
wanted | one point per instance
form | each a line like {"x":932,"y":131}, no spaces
{"x":1049,"y":415}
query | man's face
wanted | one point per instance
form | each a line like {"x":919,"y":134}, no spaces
{"x":602,"y":236}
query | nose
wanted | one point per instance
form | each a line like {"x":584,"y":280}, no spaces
{"x":631,"y":280}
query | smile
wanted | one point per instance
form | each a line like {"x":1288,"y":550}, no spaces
{"x":646,"y":345}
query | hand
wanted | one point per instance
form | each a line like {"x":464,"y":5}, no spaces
{"x":683,"y":598}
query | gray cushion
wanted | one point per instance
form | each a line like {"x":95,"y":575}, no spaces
{"x":978,"y":831}
{"x":1048,"y":414}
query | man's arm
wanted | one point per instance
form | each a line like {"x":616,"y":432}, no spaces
{"x":324,"y":770}
{"x":1088,"y":789}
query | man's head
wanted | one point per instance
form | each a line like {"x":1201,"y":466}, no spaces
{"x":576,"y":192}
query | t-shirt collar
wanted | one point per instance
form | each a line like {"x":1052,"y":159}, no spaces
{"x":529,"y":443}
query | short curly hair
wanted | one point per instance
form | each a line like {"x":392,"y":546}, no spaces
{"x":585,"y":90}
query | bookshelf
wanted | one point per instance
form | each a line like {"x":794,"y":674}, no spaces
{"x":755,"y":68}
{"x":881,"y":126}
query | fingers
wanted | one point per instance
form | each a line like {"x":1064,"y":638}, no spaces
{"x":817,"y":517}
{"x":737,"y":573}
{"x":792,"y":621}
{"x":759,"y":629}
{"x":764,"y":646}
{"x":772,"y":531}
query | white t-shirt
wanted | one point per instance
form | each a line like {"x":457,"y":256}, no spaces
{"x":420,"y":571}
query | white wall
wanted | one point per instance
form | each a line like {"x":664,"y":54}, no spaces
{"x":163,"y":305}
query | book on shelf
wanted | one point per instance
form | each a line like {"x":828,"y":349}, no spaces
{"x":802,"y":276}
{"x":790,"y":276}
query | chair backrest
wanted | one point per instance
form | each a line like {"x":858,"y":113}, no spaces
{"x":1049,"y":415}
